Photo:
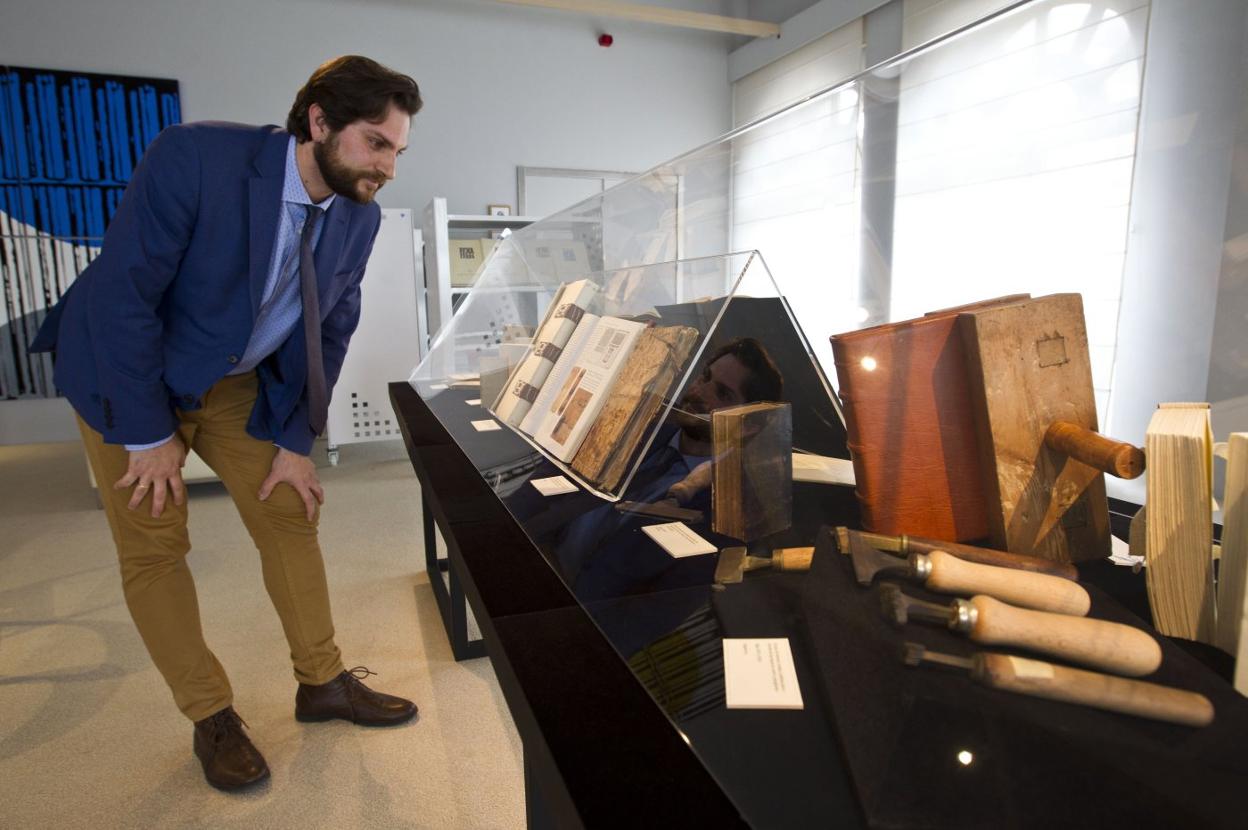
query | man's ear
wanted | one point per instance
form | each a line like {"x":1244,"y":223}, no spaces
{"x":317,"y":127}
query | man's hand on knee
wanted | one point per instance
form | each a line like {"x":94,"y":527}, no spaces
{"x":299,"y":472}
{"x":158,"y":470}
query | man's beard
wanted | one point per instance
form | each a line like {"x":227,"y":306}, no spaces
{"x":343,"y":180}
{"x":688,"y":414}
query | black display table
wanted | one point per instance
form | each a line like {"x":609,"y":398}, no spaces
{"x":604,"y":748}
{"x":598,"y":751}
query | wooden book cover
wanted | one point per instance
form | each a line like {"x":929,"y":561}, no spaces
{"x":1179,"y":545}
{"x":910,"y":427}
{"x":1233,"y":571}
{"x":752,"y":470}
{"x":1028,"y":366}
{"x":644,"y":383}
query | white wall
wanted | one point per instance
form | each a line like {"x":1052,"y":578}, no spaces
{"x":503,"y":85}
{"x":1190,"y":108}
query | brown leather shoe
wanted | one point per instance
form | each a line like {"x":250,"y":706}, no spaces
{"x":347,"y":698}
{"x":230,"y":759}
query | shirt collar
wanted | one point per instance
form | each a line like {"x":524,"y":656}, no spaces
{"x":292,"y":185}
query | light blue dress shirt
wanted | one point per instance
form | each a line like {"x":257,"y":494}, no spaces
{"x":281,"y":305}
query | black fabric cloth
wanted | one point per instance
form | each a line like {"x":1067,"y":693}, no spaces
{"x":1033,"y":762}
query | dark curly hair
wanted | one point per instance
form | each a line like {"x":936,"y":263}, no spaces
{"x":764,"y":381}
{"x":351,"y":88}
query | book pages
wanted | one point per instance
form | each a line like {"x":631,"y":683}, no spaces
{"x":558,"y":374}
{"x":569,"y":305}
{"x":584,"y":391}
{"x":1179,"y":547}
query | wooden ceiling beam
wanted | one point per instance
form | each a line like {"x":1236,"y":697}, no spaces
{"x":656,"y":14}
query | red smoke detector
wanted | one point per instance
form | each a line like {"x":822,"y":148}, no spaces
{"x":605,"y":40}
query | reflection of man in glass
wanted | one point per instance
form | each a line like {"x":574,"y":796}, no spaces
{"x":736,"y":373}
{"x":601,"y":552}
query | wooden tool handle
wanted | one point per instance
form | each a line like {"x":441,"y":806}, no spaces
{"x":1103,"y":645}
{"x":1117,"y":458}
{"x":988,"y":556}
{"x":950,"y":575}
{"x":792,"y":559}
{"x":1117,"y":694}
{"x":689,"y":486}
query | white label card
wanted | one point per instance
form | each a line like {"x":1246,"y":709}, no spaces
{"x":486,"y":425}
{"x":438,"y":387}
{"x":759,"y":674}
{"x":473,"y":402}
{"x":678,"y":540}
{"x":553,"y":486}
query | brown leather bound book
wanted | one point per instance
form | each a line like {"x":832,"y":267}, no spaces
{"x":911,"y":428}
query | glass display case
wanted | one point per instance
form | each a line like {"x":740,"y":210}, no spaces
{"x":707,"y":290}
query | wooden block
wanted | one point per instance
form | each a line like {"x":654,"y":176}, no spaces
{"x":1028,"y":367}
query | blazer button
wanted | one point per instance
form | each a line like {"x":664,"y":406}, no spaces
{"x":232,"y":358}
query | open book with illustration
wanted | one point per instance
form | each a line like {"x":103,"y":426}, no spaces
{"x":592,"y":383}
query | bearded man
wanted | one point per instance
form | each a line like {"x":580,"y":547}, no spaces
{"x":217,"y":317}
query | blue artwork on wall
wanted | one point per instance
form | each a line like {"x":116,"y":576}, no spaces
{"x":68,"y":144}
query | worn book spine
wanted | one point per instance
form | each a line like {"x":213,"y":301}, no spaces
{"x":1179,"y":547}
{"x":752,"y":473}
{"x":644,"y":384}
{"x":910,"y":429}
{"x":572,"y":303}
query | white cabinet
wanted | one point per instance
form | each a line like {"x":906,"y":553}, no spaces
{"x":440,"y":228}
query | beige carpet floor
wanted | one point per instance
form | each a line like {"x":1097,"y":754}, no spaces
{"x":89,"y":735}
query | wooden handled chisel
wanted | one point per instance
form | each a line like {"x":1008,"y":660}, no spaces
{"x":1102,"y":691}
{"x":905,"y":545}
{"x":945,"y":574}
{"x":1104,"y":645}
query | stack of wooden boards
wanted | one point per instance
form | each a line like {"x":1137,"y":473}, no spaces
{"x":1232,"y":610}
{"x":592,"y":384}
{"x":980,"y":421}
{"x":1184,"y":596}
{"x":1179,"y":547}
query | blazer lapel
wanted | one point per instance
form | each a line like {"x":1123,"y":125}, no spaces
{"x":265,"y":199}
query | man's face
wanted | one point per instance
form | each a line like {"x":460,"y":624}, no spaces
{"x":722,"y":384}
{"x":358,"y":159}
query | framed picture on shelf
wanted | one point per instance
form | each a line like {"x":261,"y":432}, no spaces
{"x":498,"y":210}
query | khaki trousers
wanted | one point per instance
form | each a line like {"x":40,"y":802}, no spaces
{"x":155,"y":577}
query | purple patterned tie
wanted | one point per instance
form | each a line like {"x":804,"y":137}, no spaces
{"x":318,"y":394}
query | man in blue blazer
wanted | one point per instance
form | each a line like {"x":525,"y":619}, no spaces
{"x":217,"y":317}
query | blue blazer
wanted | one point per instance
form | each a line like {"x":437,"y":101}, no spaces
{"x":167,"y":308}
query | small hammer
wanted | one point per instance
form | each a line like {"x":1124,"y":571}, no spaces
{"x":945,"y":574}
{"x":734,"y":562}
{"x":1101,"y":644}
{"x":1102,"y":691}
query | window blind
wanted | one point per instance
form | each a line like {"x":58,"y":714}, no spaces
{"x":1015,"y":154}
{"x":794,"y":182}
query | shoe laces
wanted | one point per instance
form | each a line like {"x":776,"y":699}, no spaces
{"x":225,"y":724}
{"x":355,"y":675}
